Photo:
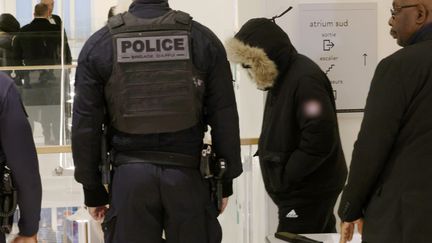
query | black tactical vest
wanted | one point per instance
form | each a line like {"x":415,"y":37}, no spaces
{"x":154,"y":86}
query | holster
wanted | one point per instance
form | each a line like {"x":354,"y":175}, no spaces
{"x":106,"y":158}
{"x":213,"y":169}
{"x":8,"y":199}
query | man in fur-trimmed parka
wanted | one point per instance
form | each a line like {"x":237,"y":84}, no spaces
{"x":300,"y":152}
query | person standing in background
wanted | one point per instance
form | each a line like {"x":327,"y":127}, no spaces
{"x":38,"y":43}
{"x":9,"y":27}
{"x":56,"y":20}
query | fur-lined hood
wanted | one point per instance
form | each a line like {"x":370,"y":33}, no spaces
{"x":265,"y":48}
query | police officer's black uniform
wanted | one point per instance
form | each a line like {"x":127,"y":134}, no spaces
{"x":18,"y":150}
{"x":158,"y":106}
{"x":300,"y":152}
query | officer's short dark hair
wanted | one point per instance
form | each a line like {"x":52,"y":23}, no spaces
{"x":40,"y":10}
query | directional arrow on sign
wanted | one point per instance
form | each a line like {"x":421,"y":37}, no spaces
{"x":365,"y":58}
{"x":328,"y":45}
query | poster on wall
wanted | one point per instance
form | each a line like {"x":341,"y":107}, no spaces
{"x":342,"y":39}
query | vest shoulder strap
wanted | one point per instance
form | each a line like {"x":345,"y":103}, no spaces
{"x":115,"y":21}
{"x":127,"y":22}
{"x":183,"y":18}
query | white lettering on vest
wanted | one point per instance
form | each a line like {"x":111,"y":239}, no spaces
{"x":153,"y":48}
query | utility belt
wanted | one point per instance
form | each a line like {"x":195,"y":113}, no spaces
{"x":159,"y":158}
{"x":211,"y":168}
{"x":113,"y":158}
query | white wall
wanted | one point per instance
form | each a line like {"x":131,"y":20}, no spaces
{"x":100,"y":9}
{"x":218,"y":15}
{"x":7,"y":6}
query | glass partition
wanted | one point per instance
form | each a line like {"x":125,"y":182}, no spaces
{"x":47,"y":95}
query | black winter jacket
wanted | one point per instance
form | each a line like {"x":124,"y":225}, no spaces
{"x":390,"y":175}
{"x":9,"y":27}
{"x":299,"y":147}
{"x":7,"y":54}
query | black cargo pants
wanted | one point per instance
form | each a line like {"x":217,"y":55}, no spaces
{"x":148,"y":199}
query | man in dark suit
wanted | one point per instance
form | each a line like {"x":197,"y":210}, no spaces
{"x":56,"y":20}
{"x":38,"y":43}
{"x":389,"y":183}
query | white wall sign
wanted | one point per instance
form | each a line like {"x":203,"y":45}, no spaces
{"x":342,"y":39}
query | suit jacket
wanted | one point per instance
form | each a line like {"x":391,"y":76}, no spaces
{"x":38,"y":43}
{"x":67,"y":51}
{"x":390,"y":178}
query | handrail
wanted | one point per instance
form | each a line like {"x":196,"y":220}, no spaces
{"x":29,"y":68}
{"x":67,"y":148}
{"x":249,"y":141}
{"x":54,"y":149}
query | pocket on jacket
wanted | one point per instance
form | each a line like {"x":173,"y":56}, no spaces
{"x":273,"y":171}
{"x":108,"y":226}
{"x":202,"y":227}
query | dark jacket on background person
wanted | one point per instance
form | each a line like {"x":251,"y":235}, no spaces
{"x":8,"y":23}
{"x":67,"y":52}
{"x":390,"y":174}
{"x":299,"y":147}
{"x":9,"y":27}
{"x":94,"y":70}
{"x":7,"y":55}
{"x":38,"y":43}
{"x":18,"y":149}
{"x":300,"y":153}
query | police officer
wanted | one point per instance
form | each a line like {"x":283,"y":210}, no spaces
{"x":17,"y":149}
{"x":300,"y":152}
{"x":155,"y":78}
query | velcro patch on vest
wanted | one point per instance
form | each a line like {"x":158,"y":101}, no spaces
{"x":152,"y":49}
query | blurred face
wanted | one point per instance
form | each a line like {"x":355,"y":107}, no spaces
{"x":403,"y":20}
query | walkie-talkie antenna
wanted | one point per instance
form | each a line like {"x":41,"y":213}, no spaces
{"x":282,"y":14}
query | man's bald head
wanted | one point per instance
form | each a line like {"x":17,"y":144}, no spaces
{"x":50,"y":4}
{"x":408,"y":17}
{"x":41,"y":11}
{"x":426,"y":2}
